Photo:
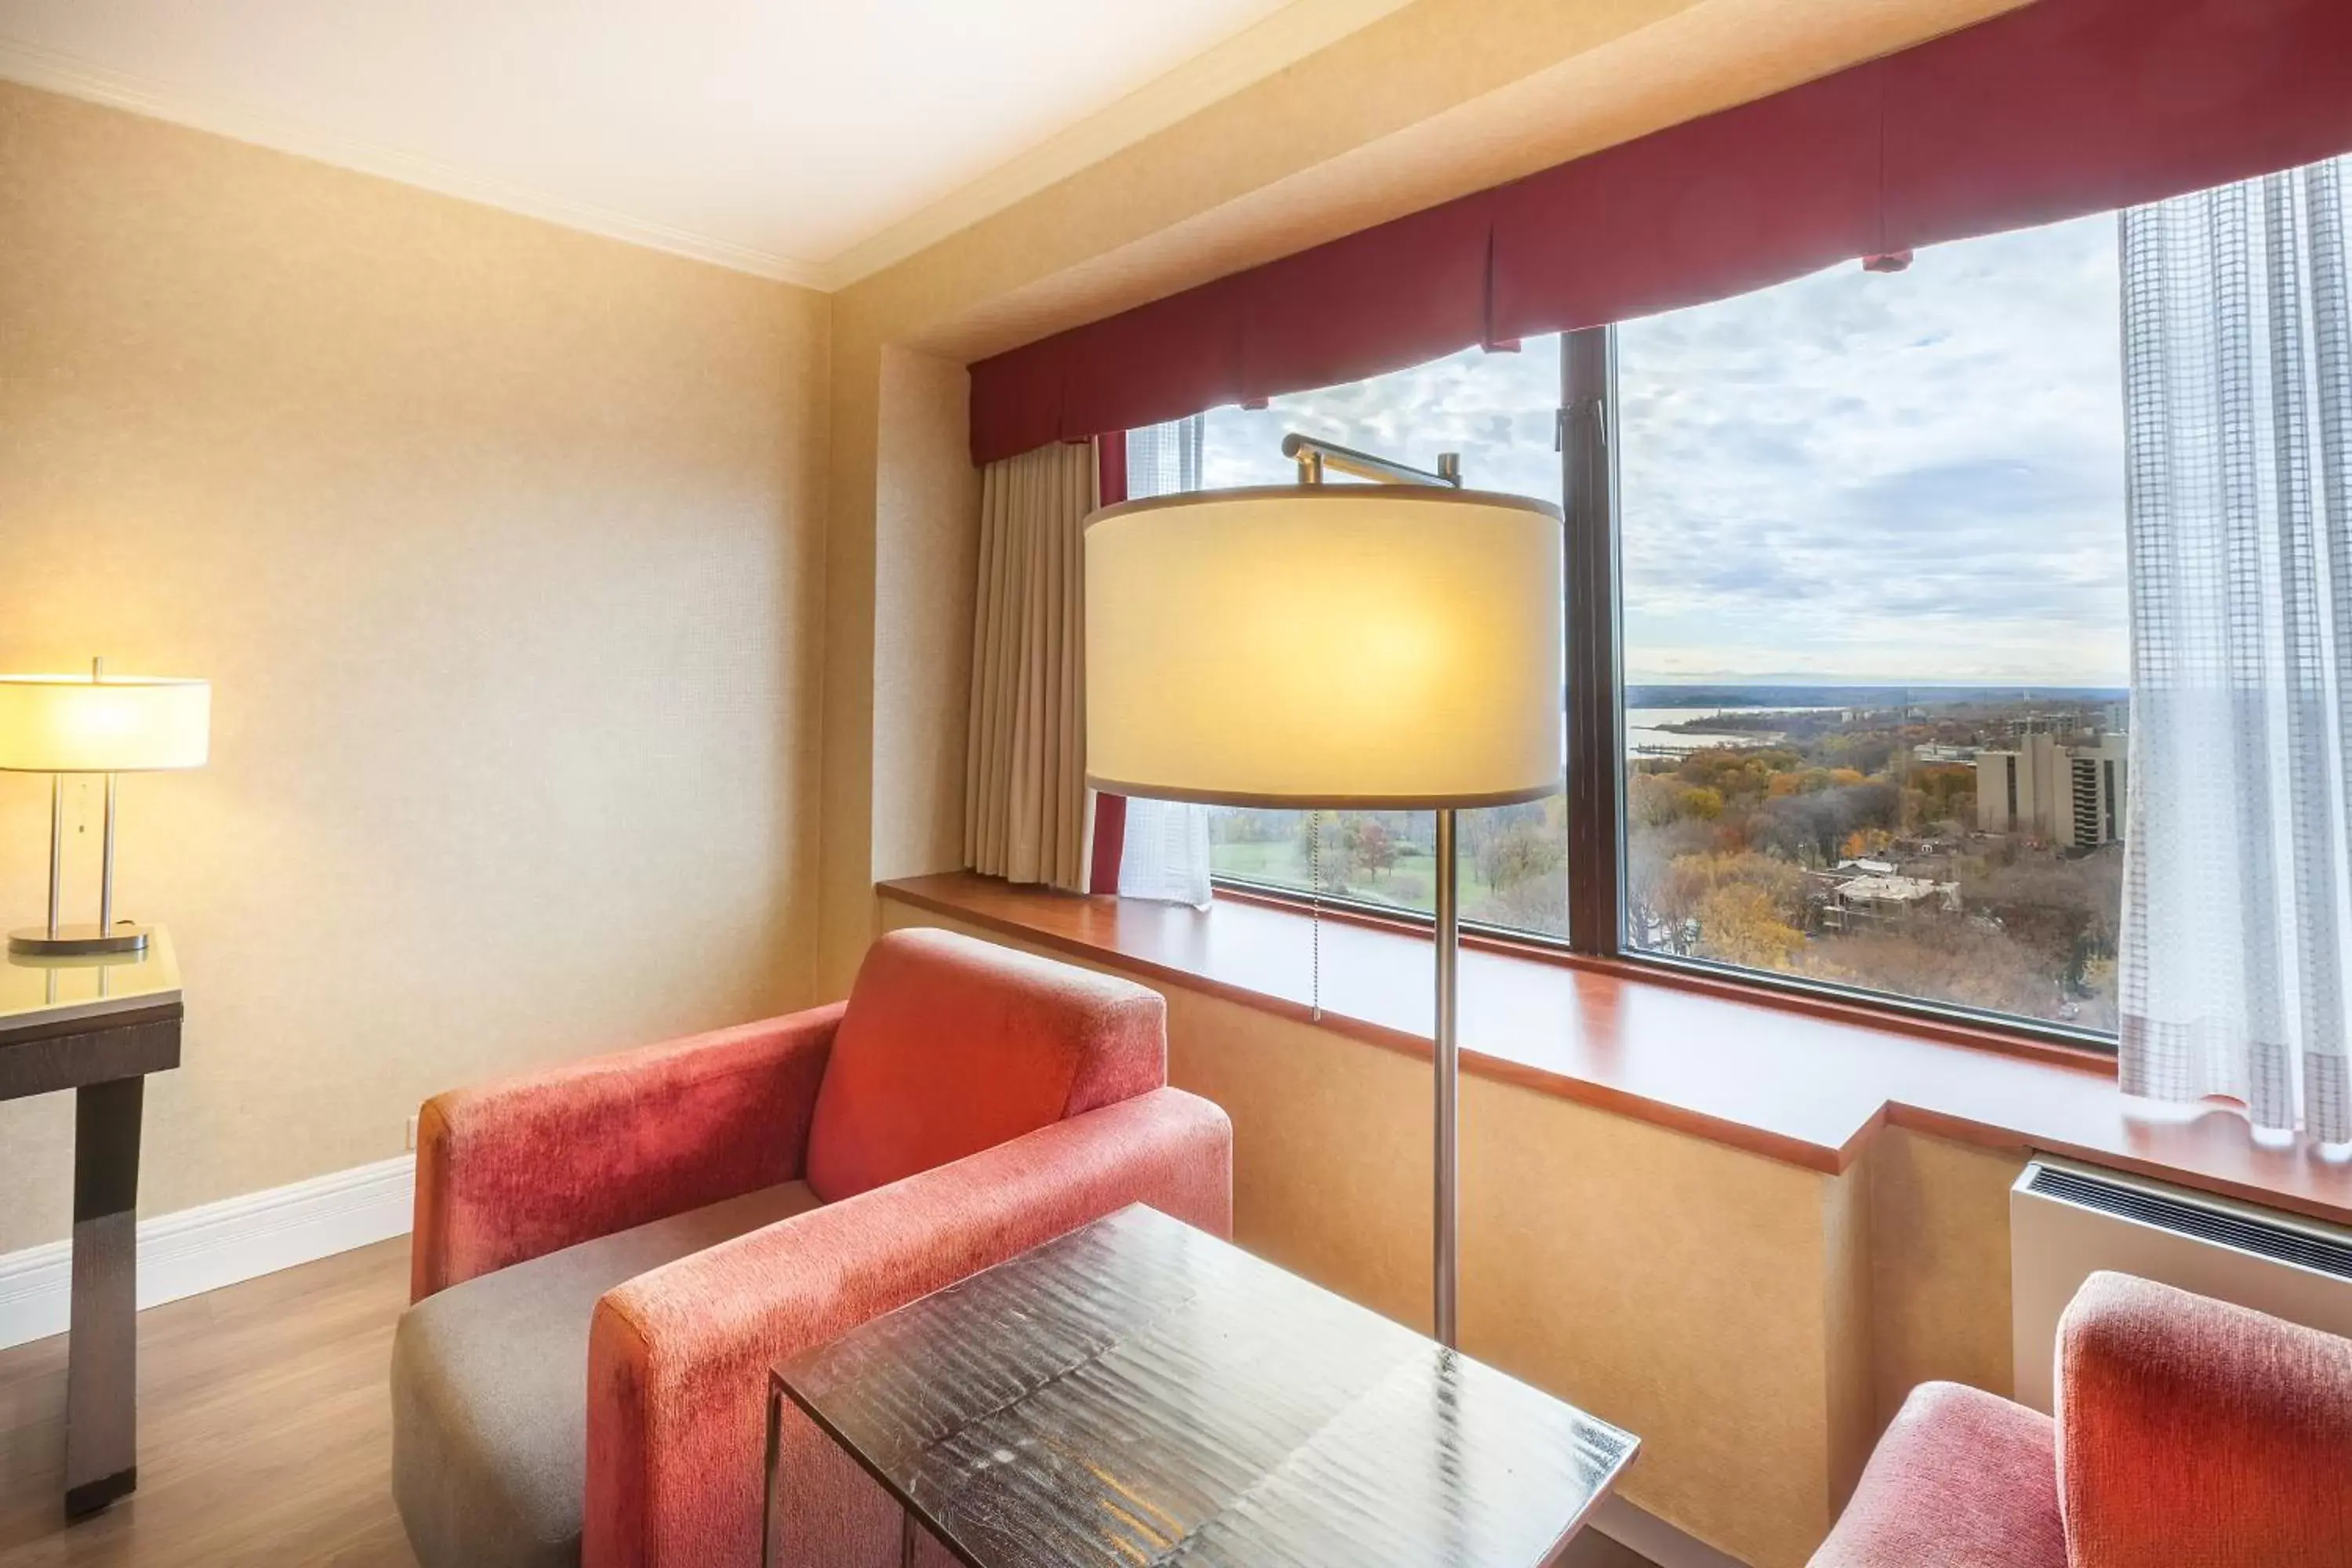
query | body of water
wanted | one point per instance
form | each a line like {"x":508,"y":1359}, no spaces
{"x":1644,"y":738}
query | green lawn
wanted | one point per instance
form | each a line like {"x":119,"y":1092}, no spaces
{"x":1283,"y":863}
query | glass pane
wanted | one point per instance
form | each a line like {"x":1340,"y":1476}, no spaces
{"x":1498,"y":411}
{"x":1874,"y":627}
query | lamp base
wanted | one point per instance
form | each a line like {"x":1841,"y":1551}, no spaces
{"x":78,"y":940}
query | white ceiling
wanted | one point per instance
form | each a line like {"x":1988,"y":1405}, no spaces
{"x":802,"y":139}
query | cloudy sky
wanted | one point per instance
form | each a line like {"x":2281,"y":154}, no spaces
{"x":1855,"y":476}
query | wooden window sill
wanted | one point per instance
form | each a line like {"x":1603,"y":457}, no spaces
{"x":1787,"y":1080}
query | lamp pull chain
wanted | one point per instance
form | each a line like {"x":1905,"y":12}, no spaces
{"x":1315,"y":915}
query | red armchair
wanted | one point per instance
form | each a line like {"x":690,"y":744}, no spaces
{"x":2190,"y":1434}
{"x":609,"y":1254}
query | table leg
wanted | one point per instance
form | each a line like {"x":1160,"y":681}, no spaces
{"x":102,"y":1356}
{"x":768,"y":1478}
{"x":905,"y":1537}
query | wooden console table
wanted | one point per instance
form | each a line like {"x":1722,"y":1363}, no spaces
{"x":97,"y":1026}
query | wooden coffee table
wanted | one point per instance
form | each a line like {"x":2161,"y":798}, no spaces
{"x":1139,"y":1392}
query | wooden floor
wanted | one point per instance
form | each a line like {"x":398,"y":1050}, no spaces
{"x":265,"y":1433}
{"x":265,"y":1430}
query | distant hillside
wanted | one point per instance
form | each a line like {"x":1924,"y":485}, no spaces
{"x":1730,"y":696}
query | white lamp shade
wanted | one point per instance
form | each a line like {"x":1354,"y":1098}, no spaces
{"x":124,"y":723}
{"x":1325,"y":644}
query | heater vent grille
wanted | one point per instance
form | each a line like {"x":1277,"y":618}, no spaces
{"x":2281,"y":1243}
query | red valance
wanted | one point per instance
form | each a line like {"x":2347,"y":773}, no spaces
{"x":2062,"y":107}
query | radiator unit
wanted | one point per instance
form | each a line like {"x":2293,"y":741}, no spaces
{"x":2068,"y":1220}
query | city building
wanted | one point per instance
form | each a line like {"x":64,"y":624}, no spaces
{"x":2072,"y":795}
{"x":1881,"y":894}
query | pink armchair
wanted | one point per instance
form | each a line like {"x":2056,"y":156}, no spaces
{"x":609,"y":1254}
{"x":2190,"y":1434}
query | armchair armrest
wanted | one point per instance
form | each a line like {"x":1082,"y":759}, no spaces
{"x":525,"y":1165}
{"x":1961,"y":1479}
{"x":2191,"y":1431}
{"x":679,"y":1358}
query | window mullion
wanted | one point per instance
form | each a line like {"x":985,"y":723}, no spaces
{"x":1595,"y":743}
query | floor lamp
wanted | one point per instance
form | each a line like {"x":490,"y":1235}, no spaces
{"x":1392,"y":645}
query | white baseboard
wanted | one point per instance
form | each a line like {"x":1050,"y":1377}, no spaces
{"x":1639,"y":1531}
{"x":203,"y":1248}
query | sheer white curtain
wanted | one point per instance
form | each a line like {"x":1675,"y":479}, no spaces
{"x":1167,"y":852}
{"x":2238,"y":385}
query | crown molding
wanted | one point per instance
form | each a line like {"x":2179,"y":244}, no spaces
{"x":56,"y":72}
{"x":1273,"y":43}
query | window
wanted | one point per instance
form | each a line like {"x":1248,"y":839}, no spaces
{"x":1873,"y":638}
{"x":1847,"y":620}
{"x":1499,"y":411}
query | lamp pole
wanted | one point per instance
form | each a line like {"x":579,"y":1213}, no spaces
{"x":56,"y":854}
{"x":1314,"y":459}
{"x":1449,"y":1078}
{"x":106,"y":861}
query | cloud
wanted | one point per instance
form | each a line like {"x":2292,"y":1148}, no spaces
{"x":1936,"y":455}
{"x":1914,"y":476}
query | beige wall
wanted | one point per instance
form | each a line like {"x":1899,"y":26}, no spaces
{"x":1939,"y":1264}
{"x":926,"y":524}
{"x":502,"y":545}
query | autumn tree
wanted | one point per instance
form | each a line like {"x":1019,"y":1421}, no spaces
{"x":1691,"y":898}
{"x":1739,"y":923}
{"x":1717,"y":840}
{"x":1814,"y":824}
{"x":1651,"y":909}
{"x":1325,"y":848}
{"x":1967,"y":963}
{"x":1655,"y":799}
{"x":1522,"y":850}
{"x":2062,"y":909}
{"x":1536,"y":903}
{"x":1946,"y":792}
{"x":1866,"y":841}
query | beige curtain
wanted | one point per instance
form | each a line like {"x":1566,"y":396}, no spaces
{"x":1028,"y":815}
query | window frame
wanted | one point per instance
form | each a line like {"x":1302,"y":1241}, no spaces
{"x":1590,"y":440}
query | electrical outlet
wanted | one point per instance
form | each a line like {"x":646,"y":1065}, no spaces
{"x":411,"y":1145}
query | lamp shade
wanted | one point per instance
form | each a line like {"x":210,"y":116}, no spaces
{"x":1325,"y":644}
{"x":124,"y":723}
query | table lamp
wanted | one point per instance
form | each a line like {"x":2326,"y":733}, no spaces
{"x":111,"y":724}
{"x":1397,"y":645}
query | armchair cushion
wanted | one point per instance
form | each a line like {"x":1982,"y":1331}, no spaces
{"x":952,"y":1045}
{"x":490,"y":1390}
{"x":2196,"y":1434}
{"x":1961,"y":1479}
